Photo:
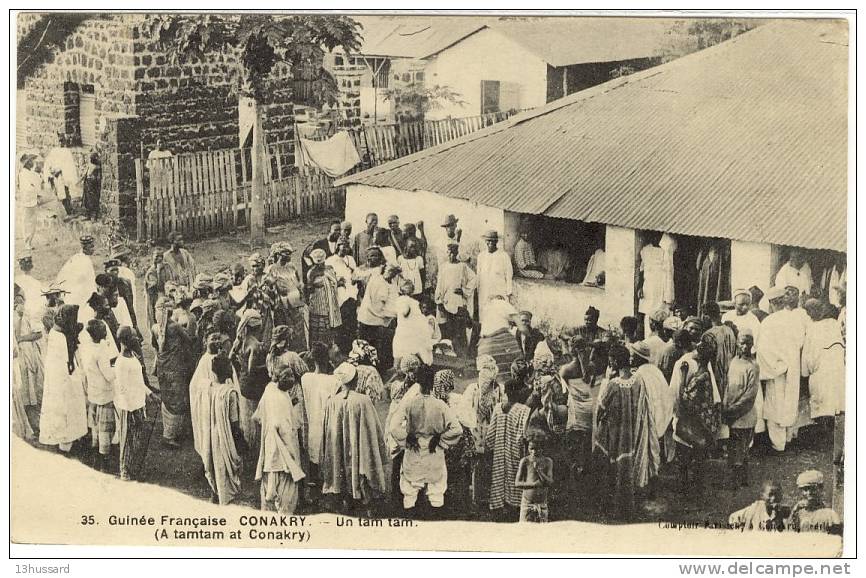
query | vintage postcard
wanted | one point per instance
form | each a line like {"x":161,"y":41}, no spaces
{"x":527,"y":283}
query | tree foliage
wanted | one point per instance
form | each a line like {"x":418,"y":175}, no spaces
{"x":687,"y":36}
{"x":48,"y":34}
{"x":415,"y":99}
{"x":260,"y":42}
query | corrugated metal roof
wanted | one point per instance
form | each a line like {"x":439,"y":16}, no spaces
{"x":746,"y":140}
{"x":413,"y":36}
{"x":564,"y":41}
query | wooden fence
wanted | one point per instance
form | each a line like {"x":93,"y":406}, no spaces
{"x":381,"y":143}
{"x":208,"y":193}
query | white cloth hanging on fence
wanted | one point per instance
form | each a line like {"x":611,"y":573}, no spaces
{"x":334,"y":156}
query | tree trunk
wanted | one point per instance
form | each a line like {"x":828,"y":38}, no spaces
{"x":259,"y":158}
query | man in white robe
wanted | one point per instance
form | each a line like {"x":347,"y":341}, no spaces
{"x":795,"y":273}
{"x":495,"y":272}
{"x":823,"y":361}
{"x":779,"y":347}
{"x":741,"y":315}
{"x":61,"y":168}
{"x":426,"y":427}
{"x":78,"y":275}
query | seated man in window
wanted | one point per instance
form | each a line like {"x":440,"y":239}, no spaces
{"x":556,"y":263}
{"x":524,"y":256}
{"x":595,"y":269}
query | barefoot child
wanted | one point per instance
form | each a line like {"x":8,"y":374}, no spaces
{"x":534,"y":477}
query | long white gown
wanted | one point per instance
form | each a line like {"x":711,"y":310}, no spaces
{"x":64,"y":404}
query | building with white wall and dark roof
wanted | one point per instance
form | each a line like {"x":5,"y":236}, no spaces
{"x":741,"y":147}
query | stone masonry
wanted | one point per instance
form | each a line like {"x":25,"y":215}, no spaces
{"x":140,"y":96}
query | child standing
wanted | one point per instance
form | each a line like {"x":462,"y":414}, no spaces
{"x":130,"y":394}
{"x":738,"y":410}
{"x":534,"y":477}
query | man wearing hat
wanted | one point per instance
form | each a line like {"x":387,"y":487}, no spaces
{"x":809,"y":514}
{"x":783,"y":333}
{"x":78,"y":273}
{"x":179,"y":261}
{"x":495,"y":272}
{"x":29,"y":187}
{"x":54,"y":299}
{"x":741,"y":315}
{"x":455,"y":288}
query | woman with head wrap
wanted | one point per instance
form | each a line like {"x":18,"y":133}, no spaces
{"x":403,"y":389}
{"x":322,"y":291}
{"x":549,"y":418}
{"x":697,"y":411}
{"x":626,"y":447}
{"x":63,"y":418}
{"x":279,"y":357}
{"x":249,"y":353}
{"x":201,"y":399}
{"x":290,"y":303}
{"x":364,"y":357}
{"x":353,"y":453}
{"x":458,"y":458}
{"x":479,"y":400}
{"x":412,"y":336}
{"x":279,"y":460}
{"x":174,"y":345}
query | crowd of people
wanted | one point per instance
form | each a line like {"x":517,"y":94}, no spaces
{"x":277,"y":369}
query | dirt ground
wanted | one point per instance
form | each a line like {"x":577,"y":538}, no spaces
{"x":181,"y":468}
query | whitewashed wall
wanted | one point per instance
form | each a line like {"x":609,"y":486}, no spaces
{"x":486,"y":55}
{"x":422,"y":206}
{"x":555,"y":304}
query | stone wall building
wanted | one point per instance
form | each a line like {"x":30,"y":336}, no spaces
{"x":110,"y":88}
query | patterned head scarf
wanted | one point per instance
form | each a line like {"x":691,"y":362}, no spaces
{"x":410,"y":364}
{"x":443,"y":384}
{"x":543,"y":361}
{"x":256,"y":259}
{"x":251,"y":318}
{"x":363,"y":354}
{"x":222,"y":281}
{"x":318,"y":256}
